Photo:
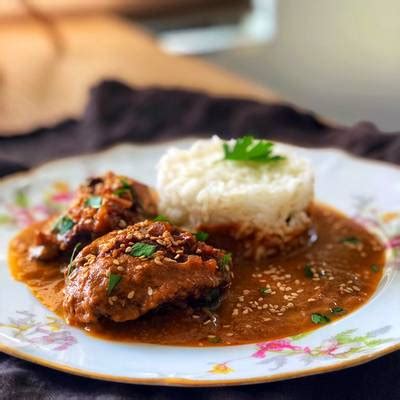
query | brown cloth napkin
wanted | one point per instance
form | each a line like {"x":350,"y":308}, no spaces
{"x":117,"y":113}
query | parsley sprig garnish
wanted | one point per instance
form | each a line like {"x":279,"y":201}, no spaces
{"x":73,"y":255}
{"x":113,"y":282}
{"x":125,"y":188}
{"x":337,"y":310}
{"x":318,"y":318}
{"x":161,"y":218}
{"x":63,"y":225}
{"x":143,"y":249}
{"x":94,"y":202}
{"x":247,"y":148}
{"x":201,"y":236}
{"x":374,"y":268}
{"x":352,"y":240}
{"x":225,"y":261}
{"x":265,"y":291}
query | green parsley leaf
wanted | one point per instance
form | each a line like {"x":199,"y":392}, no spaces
{"x":247,"y":148}
{"x":317,"y":318}
{"x":124,"y":189}
{"x":113,"y":282}
{"x":142,"y":250}
{"x":374,"y":268}
{"x":224,"y":261}
{"x":202,"y":236}
{"x":307,"y":271}
{"x":264,"y":291}
{"x":94,"y":202}
{"x":63,"y":225}
{"x":161,"y":218}
{"x":73,"y":255}
{"x":337,"y":310}
{"x":214,"y":339}
{"x":353,"y":240}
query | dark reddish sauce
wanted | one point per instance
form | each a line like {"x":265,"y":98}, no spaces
{"x":331,"y":276}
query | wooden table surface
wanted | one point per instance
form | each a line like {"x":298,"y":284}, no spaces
{"x":42,"y":82}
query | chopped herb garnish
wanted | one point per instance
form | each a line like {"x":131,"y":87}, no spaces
{"x":224,"y":261}
{"x":214,"y":339}
{"x":143,"y":250}
{"x":73,"y":255}
{"x":94,"y":202}
{"x":202,"y":236}
{"x":374,"y":268}
{"x":247,"y":148}
{"x":307,"y":271}
{"x":124,"y":189}
{"x":113,"y":282}
{"x":63,"y":225}
{"x":350,"y":240}
{"x":264,"y":291}
{"x":337,"y":310}
{"x":161,"y":218}
{"x":317,"y":318}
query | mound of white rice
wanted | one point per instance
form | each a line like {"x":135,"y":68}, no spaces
{"x":266,"y":204}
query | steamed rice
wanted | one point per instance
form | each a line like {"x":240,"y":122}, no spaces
{"x":264,"y":204}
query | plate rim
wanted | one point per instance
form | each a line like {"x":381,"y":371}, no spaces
{"x":186,"y":382}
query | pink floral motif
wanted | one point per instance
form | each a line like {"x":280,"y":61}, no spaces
{"x":52,"y":333}
{"x":21,"y":212}
{"x":277,"y":346}
{"x":341,"y":346}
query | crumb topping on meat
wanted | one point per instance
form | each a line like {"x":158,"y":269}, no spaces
{"x":128,"y":272}
{"x":101,"y":205}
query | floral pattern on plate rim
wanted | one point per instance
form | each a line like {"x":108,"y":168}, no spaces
{"x":51,"y":333}
{"x":55,"y":335}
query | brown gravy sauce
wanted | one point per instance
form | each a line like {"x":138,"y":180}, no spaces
{"x":267,"y":300}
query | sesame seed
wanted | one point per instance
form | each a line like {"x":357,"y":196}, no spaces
{"x":116,"y":262}
{"x":158,"y":261}
{"x":131,"y":294}
{"x":235,"y":312}
{"x":128,"y":249}
{"x":229,"y":334}
{"x":149,"y":291}
{"x":119,"y":268}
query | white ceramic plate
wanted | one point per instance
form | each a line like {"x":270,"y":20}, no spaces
{"x":368,"y":191}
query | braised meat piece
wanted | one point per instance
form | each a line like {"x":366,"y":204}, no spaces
{"x":103,"y":204}
{"x":129,"y":272}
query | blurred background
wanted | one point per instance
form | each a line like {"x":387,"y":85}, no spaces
{"x":338,"y":58}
